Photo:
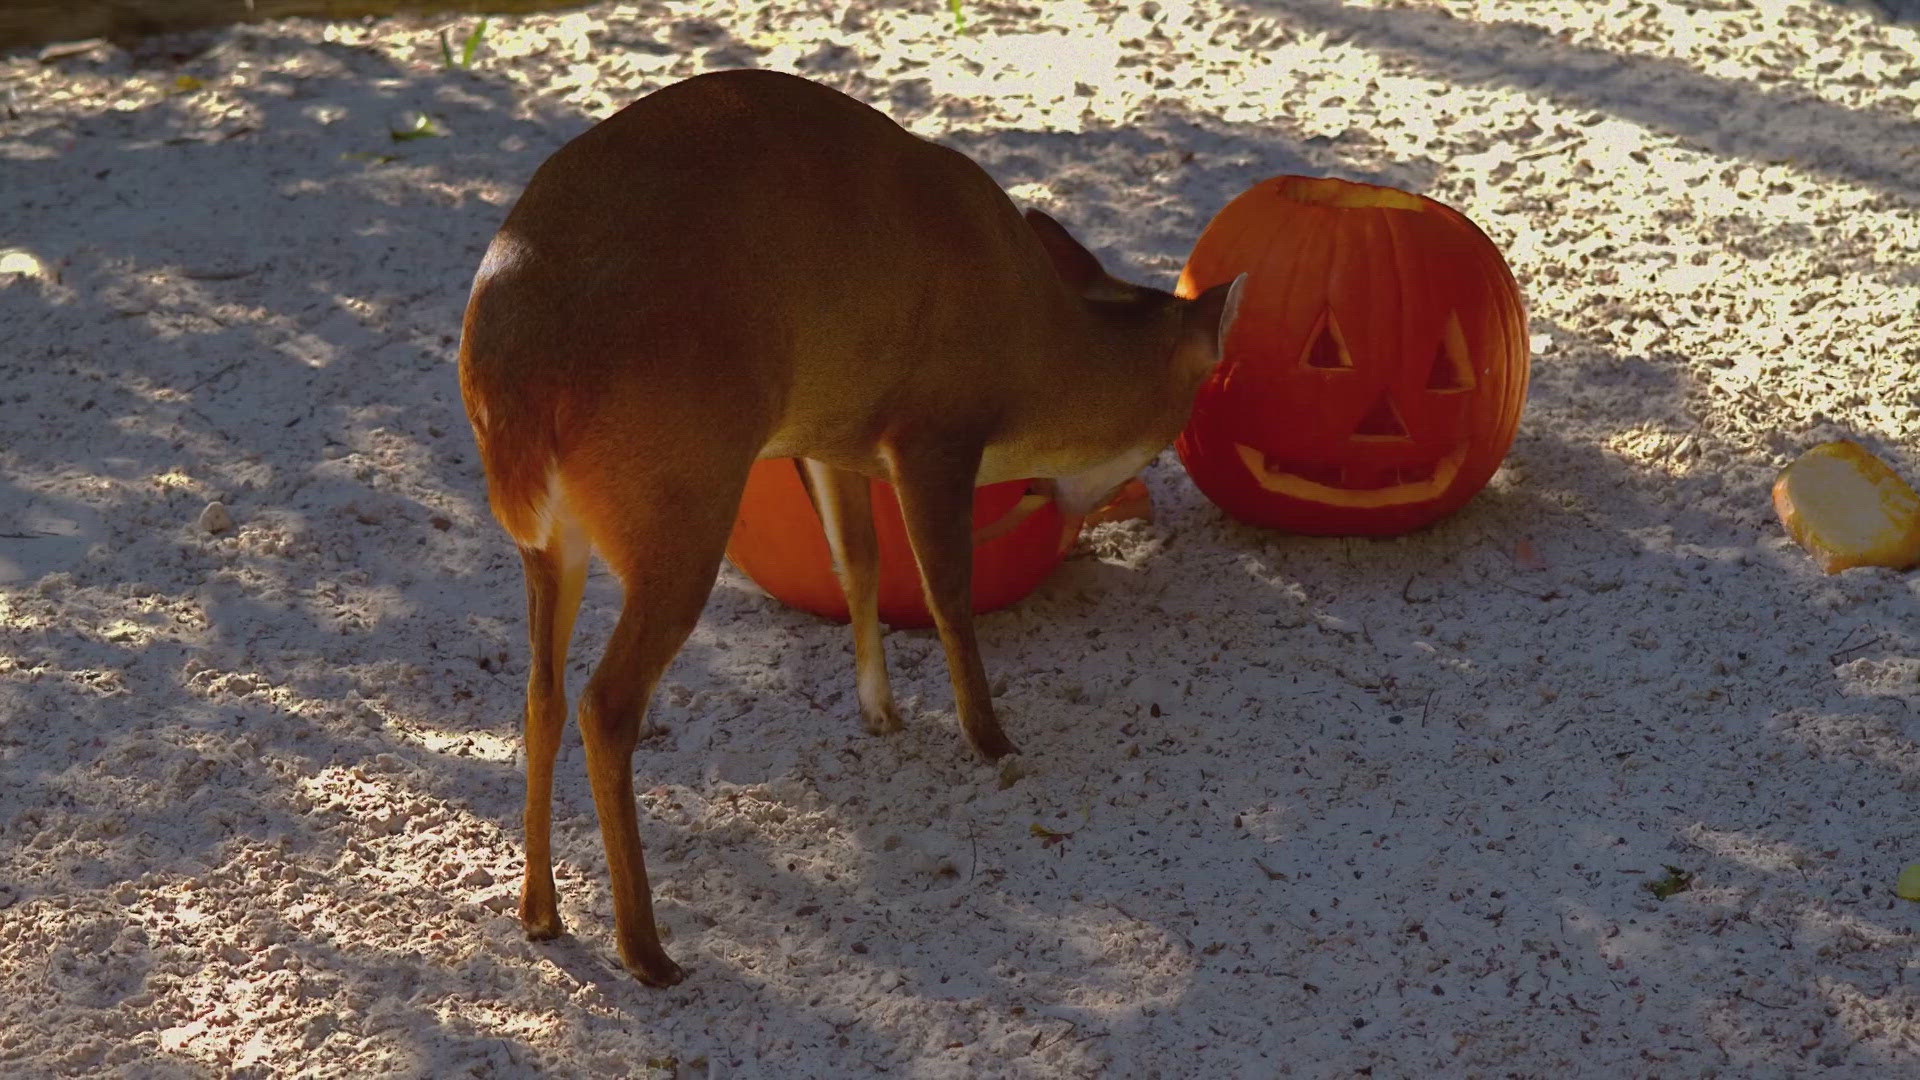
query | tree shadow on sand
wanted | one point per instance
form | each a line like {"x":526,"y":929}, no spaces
{"x":1249,"y":873}
{"x":1733,"y":118}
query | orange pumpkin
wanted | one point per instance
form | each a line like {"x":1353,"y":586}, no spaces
{"x":1374,"y":378}
{"x":778,"y":541}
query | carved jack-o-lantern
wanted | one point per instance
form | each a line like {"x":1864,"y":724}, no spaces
{"x":778,"y":541}
{"x":1374,"y":378}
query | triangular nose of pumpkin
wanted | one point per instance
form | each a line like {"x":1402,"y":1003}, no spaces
{"x":1382,"y":421}
{"x":1325,"y":349}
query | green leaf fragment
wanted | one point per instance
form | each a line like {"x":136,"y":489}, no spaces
{"x":1676,"y":881}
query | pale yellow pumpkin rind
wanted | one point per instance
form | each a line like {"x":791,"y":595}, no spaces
{"x":1848,"y":508}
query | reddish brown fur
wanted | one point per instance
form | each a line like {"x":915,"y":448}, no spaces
{"x":748,"y":265}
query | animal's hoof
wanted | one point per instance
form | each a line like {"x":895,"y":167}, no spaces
{"x":992,"y":745}
{"x":655,"y":970}
{"x":883,"y":721}
{"x":542,"y":921}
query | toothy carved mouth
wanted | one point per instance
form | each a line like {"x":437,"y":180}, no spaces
{"x":1351,"y":485}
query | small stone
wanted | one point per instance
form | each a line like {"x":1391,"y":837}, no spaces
{"x":215,"y":518}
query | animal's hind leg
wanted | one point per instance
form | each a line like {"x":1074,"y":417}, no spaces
{"x":664,"y":537}
{"x":845,"y":502}
{"x":556,"y":576}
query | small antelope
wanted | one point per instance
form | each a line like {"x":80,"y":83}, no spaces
{"x":748,"y":265}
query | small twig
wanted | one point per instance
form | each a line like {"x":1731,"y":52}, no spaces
{"x":1548,"y":150}
{"x":1836,"y":657}
{"x":1072,"y":1029}
{"x":205,"y":379}
{"x":211,"y":426}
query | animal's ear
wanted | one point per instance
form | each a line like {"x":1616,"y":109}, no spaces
{"x":1075,"y":264}
{"x":1210,"y":316}
{"x":1230,"y":307}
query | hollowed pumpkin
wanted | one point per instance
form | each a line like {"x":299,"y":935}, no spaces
{"x":1375,"y":376}
{"x":779,"y":542}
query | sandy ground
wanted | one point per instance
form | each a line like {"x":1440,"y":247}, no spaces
{"x":1313,"y":807}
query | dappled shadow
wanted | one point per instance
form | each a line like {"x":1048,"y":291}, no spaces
{"x":1137,"y":187}
{"x":1894,"y":10}
{"x":1271,"y":786}
{"x":1641,"y":628}
{"x":1775,"y":123}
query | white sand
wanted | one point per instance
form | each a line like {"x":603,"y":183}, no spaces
{"x":1334,"y":805}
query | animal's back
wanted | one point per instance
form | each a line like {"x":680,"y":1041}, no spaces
{"x":717,"y":243}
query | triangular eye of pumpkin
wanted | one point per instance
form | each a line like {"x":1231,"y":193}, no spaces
{"x":1452,"y":368}
{"x":1325,"y":349}
{"x":1382,"y":423}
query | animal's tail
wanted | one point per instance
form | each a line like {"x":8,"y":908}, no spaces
{"x":518,"y":437}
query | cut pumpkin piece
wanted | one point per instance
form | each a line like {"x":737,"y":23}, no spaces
{"x":1849,"y":508}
